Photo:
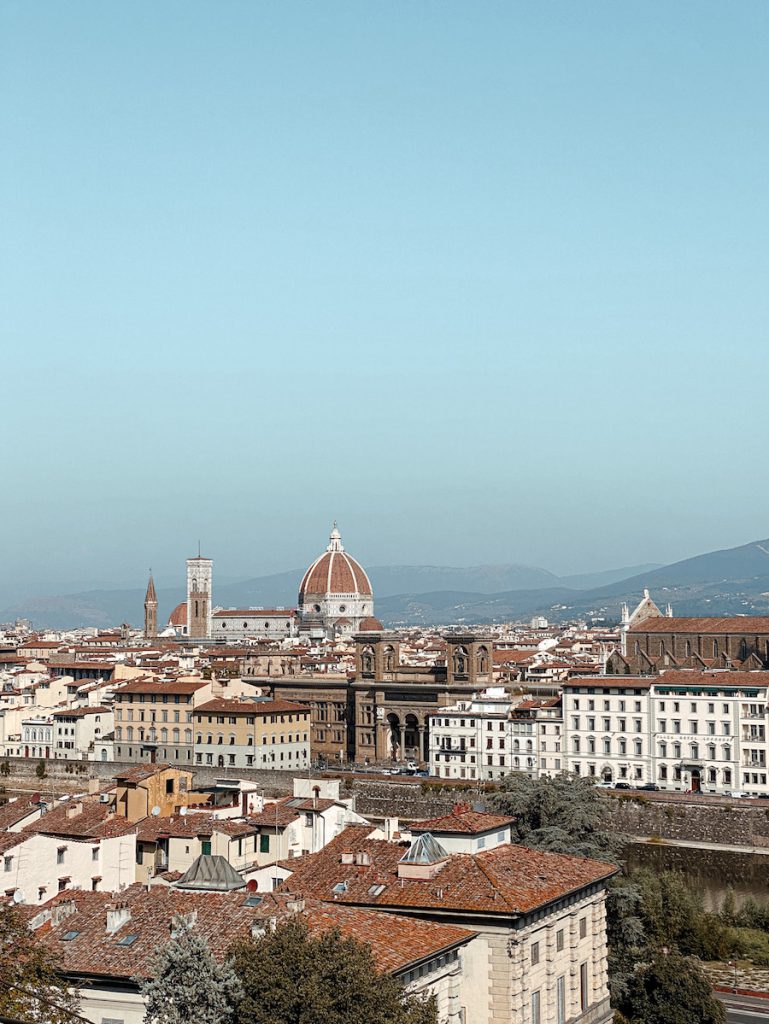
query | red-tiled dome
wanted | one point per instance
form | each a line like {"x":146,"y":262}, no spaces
{"x":335,"y":572}
{"x":178,"y":616}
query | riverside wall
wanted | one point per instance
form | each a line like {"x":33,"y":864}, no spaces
{"x":738,"y":823}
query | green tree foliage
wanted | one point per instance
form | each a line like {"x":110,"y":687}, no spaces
{"x":565,"y":814}
{"x":5,"y":768}
{"x":187,"y":983}
{"x":40,"y":769}
{"x":290,"y":977}
{"x":30,"y":988}
{"x":670,"y":989}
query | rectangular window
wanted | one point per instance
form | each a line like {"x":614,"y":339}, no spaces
{"x":560,"y":1000}
{"x":264,"y":844}
{"x":582,"y":927}
{"x":534,"y":954}
{"x":559,"y":940}
{"x":536,"y":1017}
{"x":583,"y":993}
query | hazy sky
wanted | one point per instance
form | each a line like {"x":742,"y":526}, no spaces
{"x":484,"y":281}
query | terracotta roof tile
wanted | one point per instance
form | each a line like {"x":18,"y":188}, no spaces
{"x":395,"y":942}
{"x":506,"y":880}
{"x":463,"y":822}
{"x":747,"y":624}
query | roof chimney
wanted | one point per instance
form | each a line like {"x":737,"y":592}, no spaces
{"x":74,"y":809}
{"x":117,"y":915}
{"x":391,"y":826}
{"x":296,"y":904}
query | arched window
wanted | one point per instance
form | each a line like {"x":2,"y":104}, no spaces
{"x":715,"y":648}
{"x":367,"y":659}
{"x":389,"y":658}
{"x":483,"y":660}
{"x":460,"y":661}
{"x":688,"y":648}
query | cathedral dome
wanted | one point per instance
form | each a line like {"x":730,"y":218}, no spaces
{"x":178,"y":616}
{"x":335,"y":594}
{"x":334,"y":573}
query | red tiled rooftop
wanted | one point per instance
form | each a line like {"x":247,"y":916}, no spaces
{"x":395,"y":942}
{"x":505,"y":880}
{"x":747,"y":624}
{"x":463,"y":822}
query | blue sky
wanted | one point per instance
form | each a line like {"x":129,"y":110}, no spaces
{"x":485,"y":281}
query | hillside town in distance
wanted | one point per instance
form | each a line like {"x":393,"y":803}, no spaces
{"x":243,"y":767}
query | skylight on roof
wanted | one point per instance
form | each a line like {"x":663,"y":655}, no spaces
{"x":69,"y":936}
{"x":340,"y":887}
{"x":127,"y":940}
{"x":253,"y":901}
{"x":375,"y":890}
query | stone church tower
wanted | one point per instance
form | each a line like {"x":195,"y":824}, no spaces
{"x":200,"y":573}
{"x":150,"y":610}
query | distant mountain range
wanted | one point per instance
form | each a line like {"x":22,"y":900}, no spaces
{"x":393,"y":583}
{"x":733,"y":581}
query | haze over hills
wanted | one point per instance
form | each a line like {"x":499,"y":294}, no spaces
{"x":110,"y":606}
{"x":730,"y":581}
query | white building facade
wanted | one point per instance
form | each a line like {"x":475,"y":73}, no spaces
{"x":682,"y":730}
{"x":492,"y":735}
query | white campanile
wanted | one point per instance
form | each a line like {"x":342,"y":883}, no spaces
{"x":200,"y":575}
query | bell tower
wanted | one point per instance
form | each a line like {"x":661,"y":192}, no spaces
{"x":150,"y":610}
{"x":469,"y":659}
{"x":200,"y":573}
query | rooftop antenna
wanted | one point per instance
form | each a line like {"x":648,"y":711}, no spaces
{"x":198,"y":549}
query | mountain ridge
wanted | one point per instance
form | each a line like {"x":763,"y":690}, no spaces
{"x":101,"y":608}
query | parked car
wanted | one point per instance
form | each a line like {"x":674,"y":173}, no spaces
{"x":622,"y":785}
{"x":650,"y":787}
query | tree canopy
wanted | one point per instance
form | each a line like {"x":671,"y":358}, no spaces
{"x":670,"y":989}
{"x":188,"y":983}
{"x":30,"y":987}
{"x":564,"y":814}
{"x":291,"y":977}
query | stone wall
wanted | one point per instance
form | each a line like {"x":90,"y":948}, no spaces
{"x":728,"y":824}
{"x":373,"y":798}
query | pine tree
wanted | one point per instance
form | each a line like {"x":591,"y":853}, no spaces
{"x":187,"y":982}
